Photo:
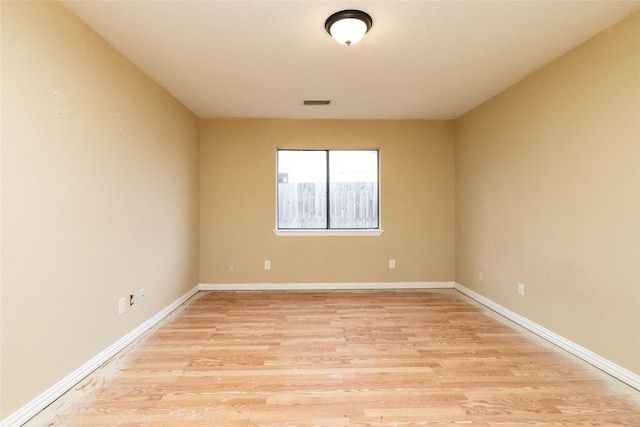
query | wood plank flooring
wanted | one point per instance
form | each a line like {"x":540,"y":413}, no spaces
{"x":342,"y":358}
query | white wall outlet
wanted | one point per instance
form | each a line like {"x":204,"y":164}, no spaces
{"x":232,"y":268}
{"x":267,"y":265}
{"x":480,"y":277}
{"x":141,"y":295}
{"x":521,"y":289}
{"x":121,"y":305}
{"x":392,"y":264}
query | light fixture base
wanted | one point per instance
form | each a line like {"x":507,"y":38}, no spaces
{"x":348,"y":26}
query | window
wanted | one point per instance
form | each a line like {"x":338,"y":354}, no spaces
{"x":328,"y":190}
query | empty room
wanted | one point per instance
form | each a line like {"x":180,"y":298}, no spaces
{"x":240,"y":213}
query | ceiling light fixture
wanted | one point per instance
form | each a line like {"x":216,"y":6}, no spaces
{"x":348,"y":26}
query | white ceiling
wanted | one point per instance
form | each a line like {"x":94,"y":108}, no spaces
{"x":421,"y":59}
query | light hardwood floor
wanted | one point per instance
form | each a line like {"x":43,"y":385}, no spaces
{"x":342,"y":358}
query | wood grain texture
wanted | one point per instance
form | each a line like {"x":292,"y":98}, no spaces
{"x":342,"y":358}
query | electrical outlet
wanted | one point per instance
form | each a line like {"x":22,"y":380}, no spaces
{"x":521,"y":289}
{"x":141,"y":298}
{"x":392,"y":264}
{"x":267,"y":265}
{"x":131,"y":300}
{"x":121,"y":306}
{"x":232,"y":268}
{"x":480,"y":277}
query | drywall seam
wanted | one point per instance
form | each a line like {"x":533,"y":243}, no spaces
{"x":588,"y":356}
{"x":322,"y":286}
{"x":32,"y":408}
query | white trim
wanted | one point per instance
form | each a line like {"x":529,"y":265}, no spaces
{"x":588,"y":356}
{"x":32,"y":408}
{"x":312,"y":232}
{"x":322,"y":286}
{"x":328,"y":232}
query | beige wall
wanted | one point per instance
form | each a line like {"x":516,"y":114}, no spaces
{"x":548,"y":194}
{"x":99,"y":197}
{"x":237,"y":218}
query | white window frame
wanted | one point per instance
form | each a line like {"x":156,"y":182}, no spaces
{"x":328,"y":232}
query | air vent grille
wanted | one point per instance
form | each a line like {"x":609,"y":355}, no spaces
{"x":316,"y":102}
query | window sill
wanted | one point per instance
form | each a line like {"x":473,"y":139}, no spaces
{"x":326,"y":233}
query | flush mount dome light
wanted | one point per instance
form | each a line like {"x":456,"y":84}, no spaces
{"x":348,"y":26}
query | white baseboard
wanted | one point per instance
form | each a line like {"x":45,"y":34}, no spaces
{"x":588,"y":356}
{"x":32,"y":408}
{"x":322,"y":286}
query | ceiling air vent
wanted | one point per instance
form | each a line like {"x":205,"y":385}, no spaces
{"x":316,"y":102}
